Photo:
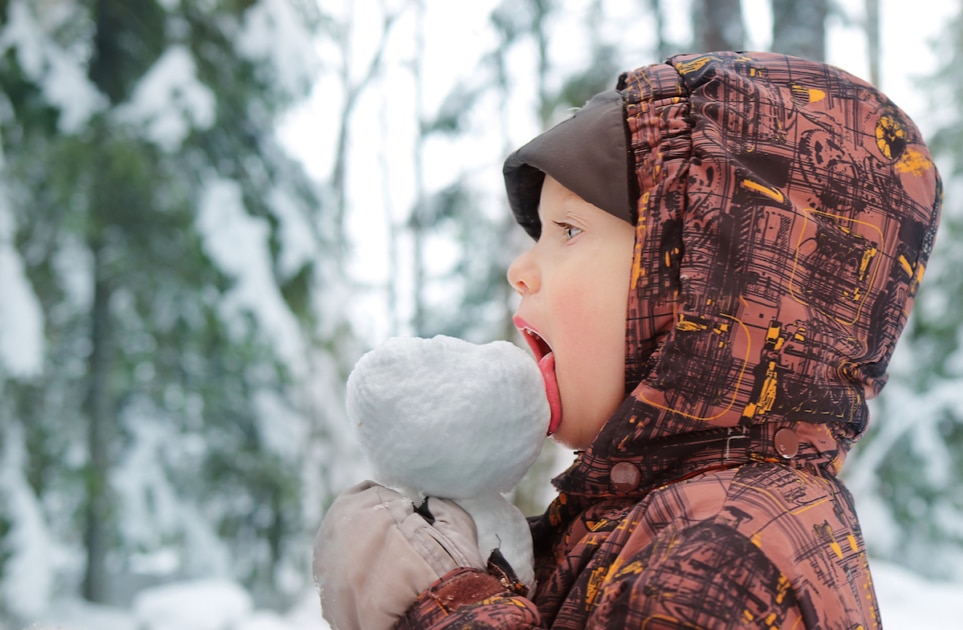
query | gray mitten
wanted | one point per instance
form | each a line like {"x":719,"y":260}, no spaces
{"x":375,"y":554}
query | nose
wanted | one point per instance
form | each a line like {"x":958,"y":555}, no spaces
{"x":523,"y":274}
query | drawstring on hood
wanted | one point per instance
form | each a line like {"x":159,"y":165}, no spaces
{"x":785,"y":211}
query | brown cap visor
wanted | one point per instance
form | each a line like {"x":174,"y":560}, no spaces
{"x":587,"y":153}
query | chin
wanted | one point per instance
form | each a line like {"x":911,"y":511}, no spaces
{"x":575,"y":443}
{"x":579,"y":436}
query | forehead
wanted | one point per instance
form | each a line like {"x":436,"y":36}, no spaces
{"x":557,"y":200}
{"x":558,"y":203}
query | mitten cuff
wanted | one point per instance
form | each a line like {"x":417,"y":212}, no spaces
{"x":459,"y":587}
{"x":463,"y":586}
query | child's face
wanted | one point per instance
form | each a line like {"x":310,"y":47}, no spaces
{"x":574,"y":285}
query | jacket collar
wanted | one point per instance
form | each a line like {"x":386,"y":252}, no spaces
{"x":625,"y":468}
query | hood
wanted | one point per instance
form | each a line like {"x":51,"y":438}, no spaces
{"x":786,"y":214}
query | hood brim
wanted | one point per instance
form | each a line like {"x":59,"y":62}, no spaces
{"x":587,"y":153}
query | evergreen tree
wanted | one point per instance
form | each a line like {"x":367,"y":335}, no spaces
{"x":717,"y":25}
{"x":799,"y":28}
{"x":178,"y":259}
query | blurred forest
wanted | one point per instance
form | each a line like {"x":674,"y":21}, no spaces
{"x":182,"y":298}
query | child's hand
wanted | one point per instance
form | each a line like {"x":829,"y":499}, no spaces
{"x":375,"y":553}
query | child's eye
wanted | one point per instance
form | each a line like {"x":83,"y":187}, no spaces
{"x":569,"y":231}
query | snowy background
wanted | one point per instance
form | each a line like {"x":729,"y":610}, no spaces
{"x":170,"y":105}
{"x":907,"y":602}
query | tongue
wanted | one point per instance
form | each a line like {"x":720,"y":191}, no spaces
{"x":547,"y":365}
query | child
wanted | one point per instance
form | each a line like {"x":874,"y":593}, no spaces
{"x":770,"y":218}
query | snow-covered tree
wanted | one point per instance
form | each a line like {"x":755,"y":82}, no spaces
{"x":170,"y":378}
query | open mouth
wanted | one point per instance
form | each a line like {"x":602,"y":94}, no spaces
{"x":539,"y":346}
{"x":546,"y":364}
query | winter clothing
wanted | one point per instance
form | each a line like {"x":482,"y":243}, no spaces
{"x":785,"y":214}
{"x":378,"y":554}
{"x":787,"y":211}
{"x":588,"y":154}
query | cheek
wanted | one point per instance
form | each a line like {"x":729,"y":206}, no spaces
{"x":597,"y":312}
{"x":591,"y":358}
{"x":600,"y":333}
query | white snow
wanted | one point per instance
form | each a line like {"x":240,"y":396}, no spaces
{"x":200,"y":605}
{"x":907,"y":602}
{"x":153,"y":515}
{"x":33,"y":550}
{"x":298,"y":245}
{"x":238,"y":244}
{"x":74,"y":264}
{"x":448,"y":418}
{"x":21,"y":318}
{"x":80,"y":615}
{"x":60,"y":74}
{"x":273,"y":32}
{"x":142,"y":484}
{"x":284,"y":432}
{"x":169,"y":101}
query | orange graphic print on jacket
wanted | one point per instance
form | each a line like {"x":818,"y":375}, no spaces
{"x":785,"y":214}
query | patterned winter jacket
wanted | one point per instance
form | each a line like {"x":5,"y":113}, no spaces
{"x":786,"y":211}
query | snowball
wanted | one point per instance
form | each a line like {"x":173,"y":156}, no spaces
{"x":449,"y":418}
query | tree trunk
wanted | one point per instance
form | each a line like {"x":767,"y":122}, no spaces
{"x":873,"y":40}
{"x":662,"y":47}
{"x":419,"y":217}
{"x":717,"y":25}
{"x":108,"y":73}
{"x":352,"y":93}
{"x":541,"y":11}
{"x":799,"y":28}
{"x":99,"y":410}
